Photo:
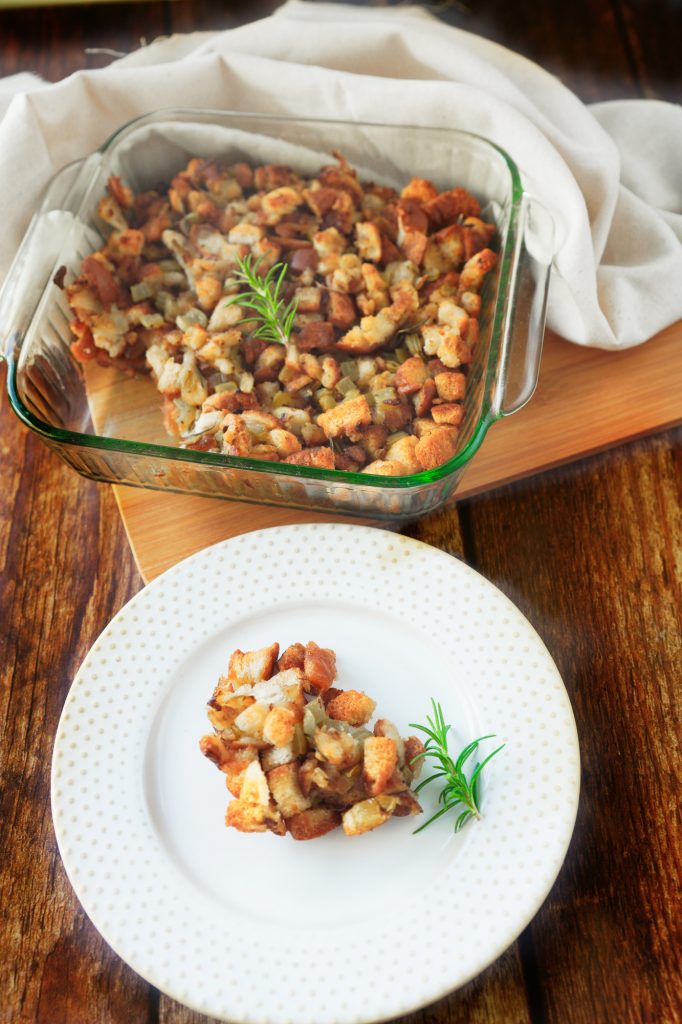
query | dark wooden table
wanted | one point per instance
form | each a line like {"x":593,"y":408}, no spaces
{"x":591,"y":554}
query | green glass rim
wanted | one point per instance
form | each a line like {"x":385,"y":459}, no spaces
{"x":60,"y":436}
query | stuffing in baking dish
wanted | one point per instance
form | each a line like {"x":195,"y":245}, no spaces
{"x":379,"y":292}
{"x":297,"y":752}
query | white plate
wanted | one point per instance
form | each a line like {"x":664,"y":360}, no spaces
{"x":258,"y":928}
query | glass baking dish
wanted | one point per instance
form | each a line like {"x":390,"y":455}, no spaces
{"x":108,"y":427}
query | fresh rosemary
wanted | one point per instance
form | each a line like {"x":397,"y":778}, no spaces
{"x":457,"y":789}
{"x":263,"y":296}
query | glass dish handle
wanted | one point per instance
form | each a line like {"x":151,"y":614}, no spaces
{"x":36,"y":257}
{"x":524,"y":325}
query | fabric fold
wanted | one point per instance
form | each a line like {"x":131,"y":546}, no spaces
{"x":608,"y":174}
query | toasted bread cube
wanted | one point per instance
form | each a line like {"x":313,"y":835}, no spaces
{"x":410,"y":376}
{"x":452,"y":315}
{"x":309,"y":299}
{"x":366,"y":815}
{"x":248,"y":667}
{"x":268,"y":364}
{"x":447,"y":344}
{"x":403,"y":451}
{"x":392,"y":413}
{"x":471,"y":303}
{"x":255,"y":785}
{"x":320,"y":458}
{"x":236,"y":438}
{"x":379,"y":762}
{"x":319,"y":667}
{"x":448,"y":206}
{"x":383,"y":727}
{"x":375,"y":294}
{"x":420,"y":189}
{"x":235,"y":767}
{"x":320,"y":200}
{"x":413,"y":748}
{"x":347,"y":277}
{"x":245,"y":234}
{"x":293,"y":657}
{"x":341,"y":310}
{"x":258,"y":422}
{"x":436,"y":447}
{"x":450,"y":386}
{"x":313,"y":436}
{"x":280,"y":202}
{"x":384,"y":467}
{"x":329,"y":244}
{"x":274,"y":757}
{"x":373,"y":440}
{"x":313,"y":823}
{"x":451,"y":413}
{"x":339,"y":748}
{"x":331,"y":373}
{"x":285,"y":442}
{"x":280,"y":725}
{"x":375,"y":331}
{"x":249,"y":817}
{"x":285,"y":687}
{"x":423,"y":400}
{"x":346,"y":417}
{"x":368,"y":240}
{"x":413,"y":245}
{"x":351,"y":706}
{"x":252,"y":719}
{"x":475,"y":269}
{"x":283,"y":783}
{"x":423,"y":426}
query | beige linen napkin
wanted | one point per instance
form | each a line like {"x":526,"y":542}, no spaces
{"x":609,"y":174}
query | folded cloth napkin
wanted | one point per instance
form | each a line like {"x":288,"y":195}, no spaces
{"x":609,"y":173}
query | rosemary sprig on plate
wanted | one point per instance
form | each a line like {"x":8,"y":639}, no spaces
{"x":457,"y":789}
{"x":263,"y":295}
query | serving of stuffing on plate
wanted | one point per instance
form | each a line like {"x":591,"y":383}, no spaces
{"x":382,"y":289}
{"x":296,"y":751}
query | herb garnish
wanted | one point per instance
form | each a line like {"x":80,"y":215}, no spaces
{"x":263,"y":296}
{"x":456,"y":789}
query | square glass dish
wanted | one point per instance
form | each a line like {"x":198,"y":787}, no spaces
{"x":109,"y":427}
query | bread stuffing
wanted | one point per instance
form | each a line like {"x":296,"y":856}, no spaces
{"x":299,"y":753}
{"x":383,"y":287}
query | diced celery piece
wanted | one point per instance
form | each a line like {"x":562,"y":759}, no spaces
{"x":281,"y":399}
{"x":349,"y":368}
{"x":191,"y":318}
{"x":152,"y":320}
{"x":140,"y":291}
{"x":414,"y":345}
{"x":325,"y":399}
{"x":345,"y":385}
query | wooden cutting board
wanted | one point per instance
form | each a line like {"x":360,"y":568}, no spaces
{"x":587,"y":400}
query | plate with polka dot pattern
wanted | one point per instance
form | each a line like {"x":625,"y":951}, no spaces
{"x":261,"y":929}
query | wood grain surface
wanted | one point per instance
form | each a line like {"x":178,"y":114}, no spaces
{"x":591,"y":553}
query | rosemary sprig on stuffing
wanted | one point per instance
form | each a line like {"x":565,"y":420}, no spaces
{"x":263,"y":295}
{"x":457,"y":789}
